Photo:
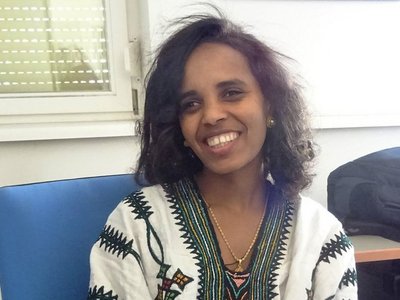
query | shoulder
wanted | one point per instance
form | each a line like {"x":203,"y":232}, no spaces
{"x":316,"y":230}
{"x":148,"y":196}
{"x":322,"y":236}
{"x":312,"y":211}
{"x":153,"y":193}
{"x":313,"y":223}
{"x":152,"y":204}
{"x":147,"y":193}
{"x":138,"y":205}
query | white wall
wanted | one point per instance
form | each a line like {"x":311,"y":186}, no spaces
{"x":346,"y":51}
{"x":23,"y":162}
{"x":35,"y":161}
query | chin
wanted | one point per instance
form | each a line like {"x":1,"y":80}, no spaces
{"x":221,"y":171}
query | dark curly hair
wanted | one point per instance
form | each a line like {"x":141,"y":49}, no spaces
{"x":288,"y":148}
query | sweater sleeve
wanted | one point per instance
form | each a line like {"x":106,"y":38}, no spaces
{"x":115,"y":261}
{"x":335,"y":275}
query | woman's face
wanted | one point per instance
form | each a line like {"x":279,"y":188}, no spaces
{"x":222,"y":110}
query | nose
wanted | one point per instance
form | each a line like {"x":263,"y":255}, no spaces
{"x":213,"y":112}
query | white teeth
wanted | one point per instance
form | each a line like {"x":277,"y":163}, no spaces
{"x":222,"y":140}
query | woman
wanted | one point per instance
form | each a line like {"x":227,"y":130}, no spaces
{"x":226,"y":151}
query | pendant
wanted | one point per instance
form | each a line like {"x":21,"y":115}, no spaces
{"x":239,"y":266}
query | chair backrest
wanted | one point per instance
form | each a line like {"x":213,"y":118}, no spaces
{"x":46,"y":233}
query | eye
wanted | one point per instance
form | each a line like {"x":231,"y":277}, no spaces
{"x":189,"y":105}
{"x":232,"y":93}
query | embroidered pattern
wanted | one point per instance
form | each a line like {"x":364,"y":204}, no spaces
{"x":191,"y":215}
{"x":142,"y":210}
{"x":139,"y":205}
{"x":189,"y":211}
{"x":180,"y":279}
{"x":334,"y":248}
{"x":310,"y":294}
{"x":274,"y":248}
{"x":99,"y":294}
{"x":349,"y":278}
{"x":116,"y":243}
{"x":237,"y":285}
{"x":331,"y":250}
{"x":185,"y":212}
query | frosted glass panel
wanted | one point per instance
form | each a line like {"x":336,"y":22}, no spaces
{"x":53,"y":46}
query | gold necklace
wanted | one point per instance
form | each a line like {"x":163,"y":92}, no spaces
{"x":238,"y":260}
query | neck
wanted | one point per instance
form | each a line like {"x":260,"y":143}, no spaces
{"x":239,"y":192}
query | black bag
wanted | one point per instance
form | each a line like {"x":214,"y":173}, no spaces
{"x":364,"y":194}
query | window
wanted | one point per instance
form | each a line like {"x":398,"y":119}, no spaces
{"x":63,"y":70}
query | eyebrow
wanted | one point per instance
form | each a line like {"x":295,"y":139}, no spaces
{"x":187,"y":94}
{"x":220,"y":85}
{"x":228,"y":83}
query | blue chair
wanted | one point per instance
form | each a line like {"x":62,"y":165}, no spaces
{"x":46,"y":233}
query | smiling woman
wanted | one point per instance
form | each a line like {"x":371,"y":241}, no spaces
{"x":225,"y":124}
{"x":226,"y":151}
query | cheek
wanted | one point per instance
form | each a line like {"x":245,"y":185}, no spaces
{"x":186,"y":129}
{"x":260,"y":126}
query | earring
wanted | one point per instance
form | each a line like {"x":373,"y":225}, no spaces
{"x":270,"y":122}
{"x":185,"y":143}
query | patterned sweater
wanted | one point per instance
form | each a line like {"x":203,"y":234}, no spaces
{"x":159,"y":243}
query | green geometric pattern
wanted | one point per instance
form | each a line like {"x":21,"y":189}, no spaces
{"x":335,"y":247}
{"x":142,"y":211}
{"x":116,"y":243}
{"x":139,"y":205}
{"x":99,"y":294}
{"x":349,"y":277}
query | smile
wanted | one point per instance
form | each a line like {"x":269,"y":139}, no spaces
{"x":222,"y":139}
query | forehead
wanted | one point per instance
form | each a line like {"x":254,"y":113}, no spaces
{"x":216,"y":62}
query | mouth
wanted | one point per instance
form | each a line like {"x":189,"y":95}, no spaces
{"x":221,"y":140}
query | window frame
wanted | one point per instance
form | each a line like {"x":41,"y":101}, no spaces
{"x":60,"y":115}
